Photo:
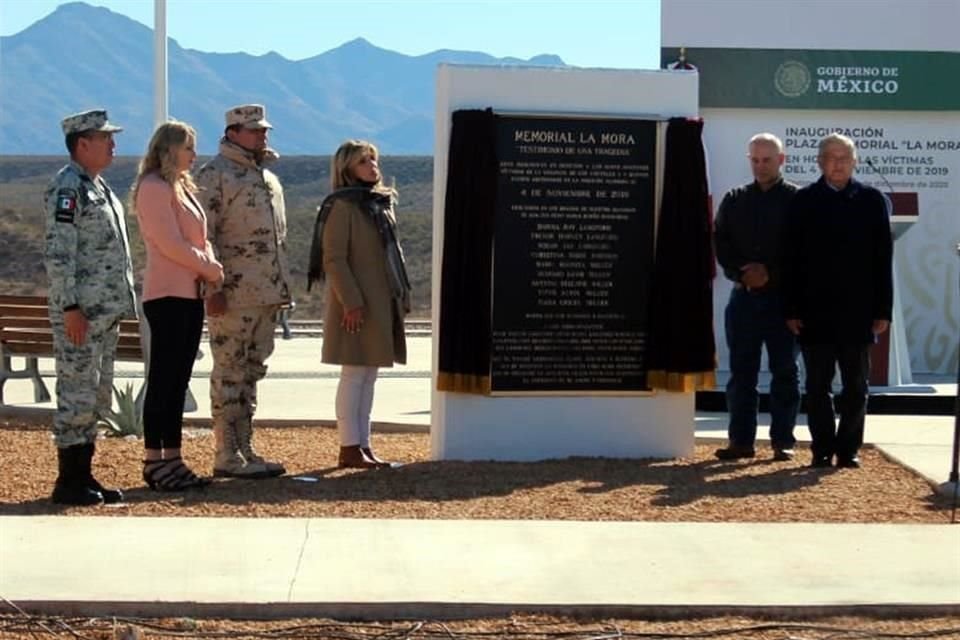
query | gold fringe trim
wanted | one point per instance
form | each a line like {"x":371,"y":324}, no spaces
{"x":683,"y":382}
{"x":463,"y":383}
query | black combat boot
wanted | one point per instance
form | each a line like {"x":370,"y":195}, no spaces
{"x":71,"y":487}
{"x":110,"y":496}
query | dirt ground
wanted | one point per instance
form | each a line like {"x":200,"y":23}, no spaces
{"x":517,"y":627}
{"x":695,"y":489}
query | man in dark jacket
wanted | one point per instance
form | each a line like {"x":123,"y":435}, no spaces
{"x":749,"y":239}
{"x":838,"y":283}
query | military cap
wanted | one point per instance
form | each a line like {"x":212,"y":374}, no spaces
{"x":249,"y":116}
{"x":92,"y":120}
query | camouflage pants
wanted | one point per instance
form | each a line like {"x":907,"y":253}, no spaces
{"x":241,"y":340}
{"x":84,"y":379}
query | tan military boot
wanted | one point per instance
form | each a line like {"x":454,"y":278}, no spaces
{"x":228,"y":462}
{"x":225,"y":442}
{"x":274,"y":468}
{"x":245,"y":442}
{"x":233,"y":465}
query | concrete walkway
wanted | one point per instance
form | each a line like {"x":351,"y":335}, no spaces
{"x":271,"y":568}
{"x":255,"y":568}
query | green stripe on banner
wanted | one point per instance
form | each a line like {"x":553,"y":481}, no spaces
{"x":818,"y":79}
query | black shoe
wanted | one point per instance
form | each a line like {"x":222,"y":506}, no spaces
{"x":852,"y":462}
{"x":110,"y":496}
{"x":821,"y":462}
{"x":735,"y":452}
{"x":75,"y":495}
{"x":171,"y":474}
{"x":783,"y":454}
{"x":71,"y":486}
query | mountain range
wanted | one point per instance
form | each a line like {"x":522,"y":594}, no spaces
{"x":81,"y":56}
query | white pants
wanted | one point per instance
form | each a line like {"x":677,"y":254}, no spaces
{"x":354,"y":401}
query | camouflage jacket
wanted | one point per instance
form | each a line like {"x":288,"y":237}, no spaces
{"x":247,"y":226}
{"x":87,"y":255}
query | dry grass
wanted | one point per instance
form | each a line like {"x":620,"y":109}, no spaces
{"x":517,"y":627}
{"x":698,"y":489}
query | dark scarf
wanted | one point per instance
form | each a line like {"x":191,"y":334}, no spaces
{"x":375,"y":204}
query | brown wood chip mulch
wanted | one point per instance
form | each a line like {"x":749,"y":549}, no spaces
{"x":696,"y":489}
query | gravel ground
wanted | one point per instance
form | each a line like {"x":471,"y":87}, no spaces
{"x":696,"y":489}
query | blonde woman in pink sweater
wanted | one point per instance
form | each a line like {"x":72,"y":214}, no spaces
{"x":179,"y":260}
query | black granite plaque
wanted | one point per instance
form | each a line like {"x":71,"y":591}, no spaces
{"x":573,"y":254}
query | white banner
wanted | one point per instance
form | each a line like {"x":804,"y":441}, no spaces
{"x":917,"y":152}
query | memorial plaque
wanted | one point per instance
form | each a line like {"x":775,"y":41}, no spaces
{"x":573,"y":255}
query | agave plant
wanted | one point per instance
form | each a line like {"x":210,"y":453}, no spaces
{"x":127,"y":420}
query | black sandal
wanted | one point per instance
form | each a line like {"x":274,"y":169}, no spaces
{"x":171,"y":475}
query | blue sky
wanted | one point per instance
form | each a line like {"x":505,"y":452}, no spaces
{"x":585,"y":33}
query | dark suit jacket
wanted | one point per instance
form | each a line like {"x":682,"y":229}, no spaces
{"x":838,"y":268}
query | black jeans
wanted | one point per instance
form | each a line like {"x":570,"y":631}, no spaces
{"x":175,"y":327}
{"x":821,"y":360}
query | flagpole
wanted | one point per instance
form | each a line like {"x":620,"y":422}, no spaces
{"x":159,"y":117}
{"x":159,"y":61}
{"x":954,"y":477}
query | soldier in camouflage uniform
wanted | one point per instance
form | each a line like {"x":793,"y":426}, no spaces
{"x":88,"y":265}
{"x":247,"y":228}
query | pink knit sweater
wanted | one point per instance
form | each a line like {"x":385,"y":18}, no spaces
{"x":175,"y":234}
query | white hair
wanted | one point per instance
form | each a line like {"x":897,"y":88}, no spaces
{"x":837,"y":138}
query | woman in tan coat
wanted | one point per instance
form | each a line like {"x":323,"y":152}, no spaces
{"x":355,"y":247}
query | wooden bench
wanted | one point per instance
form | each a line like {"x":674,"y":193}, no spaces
{"x":25,"y":332}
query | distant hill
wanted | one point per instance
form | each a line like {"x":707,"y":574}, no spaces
{"x":82,"y":56}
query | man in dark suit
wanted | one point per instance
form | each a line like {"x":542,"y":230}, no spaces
{"x":838,"y":286}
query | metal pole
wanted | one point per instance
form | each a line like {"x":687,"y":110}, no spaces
{"x":955,"y":458}
{"x":159,"y":117}
{"x":159,"y":62}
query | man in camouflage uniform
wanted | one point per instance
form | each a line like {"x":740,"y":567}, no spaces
{"x":247,"y":227}
{"x":88,"y":265}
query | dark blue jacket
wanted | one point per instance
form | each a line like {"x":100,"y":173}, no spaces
{"x":838,"y":267}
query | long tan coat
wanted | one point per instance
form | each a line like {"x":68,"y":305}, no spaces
{"x":355,"y":264}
